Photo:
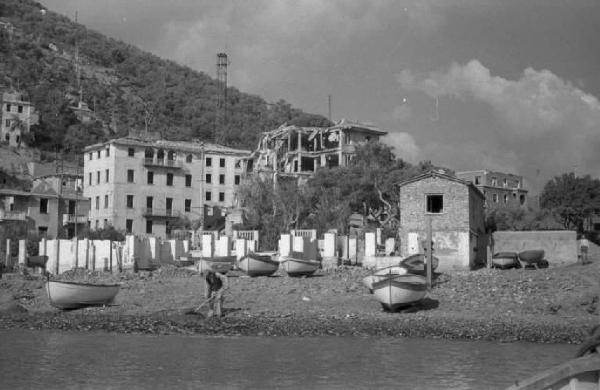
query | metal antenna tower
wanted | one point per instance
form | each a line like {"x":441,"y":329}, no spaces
{"x":221,"y":111}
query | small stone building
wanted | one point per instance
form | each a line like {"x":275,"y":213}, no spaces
{"x":456,"y":210}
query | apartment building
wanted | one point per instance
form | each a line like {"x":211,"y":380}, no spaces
{"x":501,"y":190}
{"x":299,"y":151}
{"x":54,"y":206}
{"x":17,"y":117}
{"x":145,"y":185}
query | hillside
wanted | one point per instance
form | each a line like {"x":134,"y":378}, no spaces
{"x":125,"y":86}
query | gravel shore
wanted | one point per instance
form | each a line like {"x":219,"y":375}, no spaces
{"x":553,"y":305}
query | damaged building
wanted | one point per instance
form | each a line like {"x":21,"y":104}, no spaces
{"x":299,"y":151}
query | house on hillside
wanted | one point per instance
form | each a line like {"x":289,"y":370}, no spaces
{"x":18,"y":116}
{"x":455,"y":208}
{"x":501,"y":190}
{"x":299,"y":151}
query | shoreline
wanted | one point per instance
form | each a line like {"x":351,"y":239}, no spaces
{"x":554,"y":305}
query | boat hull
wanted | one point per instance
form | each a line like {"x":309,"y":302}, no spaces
{"x":531,"y":256}
{"x":221,"y":264}
{"x":381,"y":274}
{"x":299,"y":267}
{"x":576,"y":374}
{"x":258,"y":265}
{"x":416,"y":263}
{"x":505,"y":260}
{"x":74,"y":295}
{"x":398,"y":291}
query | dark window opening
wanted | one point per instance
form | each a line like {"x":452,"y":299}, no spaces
{"x":208,"y":162}
{"x":208,"y":178}
{"x":188,"y":180}
{"x":208,"y":195}
{"x":237,"y":179}
{"x":129,"y":225}
{"x":130,"y":176}
{"x":188,"y":205}
{"x":435,"y":204}
{"x":129,"y":201}
{"x":169,"y":179}
{"x":131,"y":152}
{"x":221,"y":197}
{"x":221,"y":179}
{"x":222,"y":163}
{"x":149,"y":226}
{"x":188,"y":158}
{"x":43,"y":206}
{"x":150,"y":177}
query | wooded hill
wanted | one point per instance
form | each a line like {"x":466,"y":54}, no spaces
{"x":125,"y":86}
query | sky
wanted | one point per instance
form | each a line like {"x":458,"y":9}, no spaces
{"x":510,"y":85}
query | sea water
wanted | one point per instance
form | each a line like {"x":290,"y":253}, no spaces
{"x":67,"y":360}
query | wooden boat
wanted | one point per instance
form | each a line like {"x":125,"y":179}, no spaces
{"x":397,"y":291}
{"x":74,"y":295}
{"x":299,"y":267}
{"x":506,"y":260}
{"x":257,"y":264}
{"x":532,"y":256}
{"x":416,"y":263}
{"x":220,"y":264}
{"x":576,"y":374}
{"x":382,"y":273}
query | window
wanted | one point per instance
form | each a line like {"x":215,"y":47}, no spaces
{"x":169,"y":179}
{"x":208,"y":162}
{"x":98,"y":177}
{"x":97,"y":203}
{"x":149,"y":201}
{"x":90,"y":178}
{"x":43,"y":206}
{"x":435,"y":204}
{"x":129,"y":201}
{"x":477,"y":180}
{"x":131,"y":152}
{"x":221,"y":197}
{"x":237,"y":179}
{"x":169,"y":203}
{"x":91,"y":156}
{"x":130,"y":176}
{"x":188,"y":205}
{"x":8,"y":108}
{"x":208,"y":195}
{"x":98,"y":154}
{"x":494,"y":181}
{"x":107,"y":151}
{"x":505,"y":183}
{"x":221,"y":179}
{"x":20,"y":109}
{"x":150,"y":177}
{"x":238,"y":163}
{"x":129,"y":225}
{"x":505,"y":198}
{"x":43,"y":231}
{"x":208,"y":178}
{"x":222,"y":163}
{"x":149,"y":226}
{"x":188,"y":158}
{"x":105,"y":201}
{"x":107,"y":174}
{"x":188,"y":180}
{"x":522,"y":199}
{"x":495,"y":198}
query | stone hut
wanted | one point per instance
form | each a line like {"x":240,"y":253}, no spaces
{"x":456,"y":210}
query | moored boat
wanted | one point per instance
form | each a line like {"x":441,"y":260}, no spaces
{"x":299,"y":267}
{"x":416,"y":263}
{"x":257,"y":264}
{"x":397,"y":291}
{"x":576,"y":374}
{"x":74,"y":295}
{"x":505,"y":260}
{"x":220,"y":264}
{"x":382,"y":273}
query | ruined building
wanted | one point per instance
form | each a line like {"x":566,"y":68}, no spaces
{"x":299,"y":151}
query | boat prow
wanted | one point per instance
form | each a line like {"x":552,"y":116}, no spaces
{"x":396,"y":291}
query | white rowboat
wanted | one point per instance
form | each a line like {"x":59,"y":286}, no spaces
{"x":397,"y":291}
{"x":74,"y":295}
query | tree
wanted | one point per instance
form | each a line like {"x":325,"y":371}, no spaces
{"x":573,"y":199}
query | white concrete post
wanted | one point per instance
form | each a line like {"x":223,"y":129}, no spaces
{"x":56,"y":256}
{"x":86,"y":245}
{"x":207,"y":245}
{"x":240,"y":248}
{"x":285,"y":245}
{"x":390,"y":244}
{"x":7,"y":258}
{"x":223,"y":246}
{"x":76,"y":249}
{"x":370,"y":246}
{"x":353,"y":250}
{"x":22,"y":252}
{"x":329,"y":245}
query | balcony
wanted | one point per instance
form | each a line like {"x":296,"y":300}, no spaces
{"x":162,"y":163}
{"x":7,"y":216}
{"x":72,"y":218}
{"x":161,"y":213}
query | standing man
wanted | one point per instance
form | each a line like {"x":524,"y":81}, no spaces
{"x":584,"y":245}
{"x":215,"y":285}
